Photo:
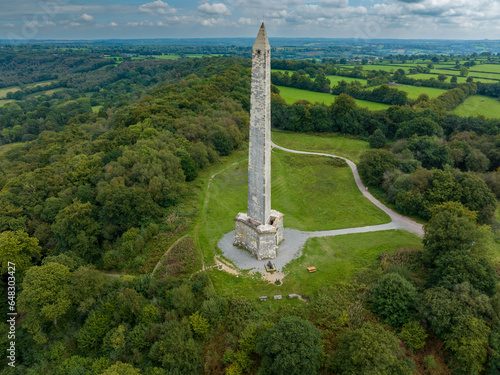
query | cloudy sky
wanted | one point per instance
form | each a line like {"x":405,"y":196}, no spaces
{"x":91,"y":19}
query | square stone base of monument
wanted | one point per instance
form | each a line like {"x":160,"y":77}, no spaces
{"x":262,"y":240}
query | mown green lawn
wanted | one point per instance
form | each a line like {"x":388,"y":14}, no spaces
{"x":314,"y":195}
{"x":312,"y":192}
{"x":329,"y":143}
{"x":479,"y":105}
{"x":338,"y":258}
{"x":291,"y":95}
{"x":317,"y":195}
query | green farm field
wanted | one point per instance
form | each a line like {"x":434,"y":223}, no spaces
{"x":197,"y":56}
{"x":414,"y":91}
{"x":166,"y":57}
{"x":46,"y":92}
{"x":386,"y":68}
{"x":489,"y":68}
{"x":9,"y":146}
{"x":479,"y":105}
{"x":476,"y":75}
{"x":5,"y":102}
{"x":282,"y":71}
{"x":335,"y":79}
{"x":351,"y":149}
{"x":459,"y":79}
{"x":5,"y":91}
{"x":291,"y":95}
{"x":96,"y":108}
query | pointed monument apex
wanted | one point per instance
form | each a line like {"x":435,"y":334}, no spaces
{"x":261,"y":42}
{"x":260,"y":230}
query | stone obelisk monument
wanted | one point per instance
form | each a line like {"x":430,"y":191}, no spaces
{"x":260,"y":230}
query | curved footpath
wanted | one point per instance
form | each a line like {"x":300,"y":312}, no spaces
{"x":296,"y":239}
{"x":397,"y":221}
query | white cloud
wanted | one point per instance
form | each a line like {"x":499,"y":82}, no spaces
{"x":33,"y":24}
{"x":335,"y":3}
{"x":215,"y":8}
{"x":156,"y":7}
{"x":430,"y":18}
{"x":278,"y":14}
{"x":210,"y":22}
{"x":185,"y":20}
{"x":87,"y":18}
{"x":468,"y":19}
{"x":245,"y":21}
{"x":278,"y":21}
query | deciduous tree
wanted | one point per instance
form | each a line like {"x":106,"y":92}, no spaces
{"x":290,"y":347}
{"x":45,"y":296}
{"x":370,"y":350}
{"x":394,"y":299}
{"x":17,"y":248}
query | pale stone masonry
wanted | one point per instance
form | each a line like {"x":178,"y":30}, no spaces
{"x":259,"y":158}
{"x":261,"y":229}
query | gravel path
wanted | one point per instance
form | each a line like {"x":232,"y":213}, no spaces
{"x":291,"y":247}
{"x":399,"y":221}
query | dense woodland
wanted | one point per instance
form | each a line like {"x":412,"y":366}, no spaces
{"x":100,"y":176}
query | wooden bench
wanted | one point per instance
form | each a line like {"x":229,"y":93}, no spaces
{"x":311,"y":269}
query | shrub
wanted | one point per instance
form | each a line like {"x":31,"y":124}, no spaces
{"x":394,"y":299}
{"x":373,"y":165}
{"x":413,"y":334}
{"x":430,"y":362}
{"x":378,"y":139}
{"x":290,"y":347}
{"x":370,"y":350}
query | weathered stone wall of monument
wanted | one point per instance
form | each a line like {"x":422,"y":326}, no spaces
{"x":260,"y":230}
{"x":261,"y":244}
{"x":259,"y":164}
